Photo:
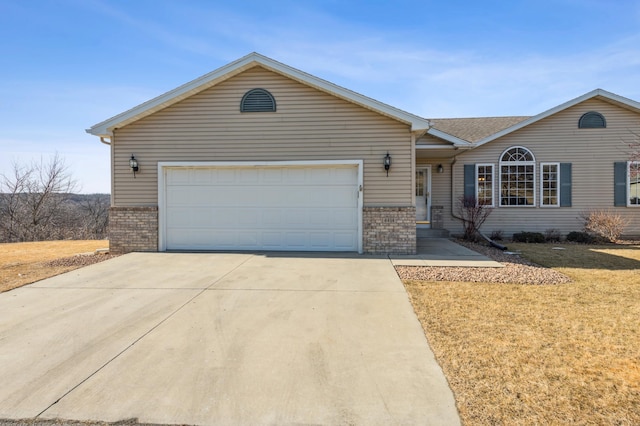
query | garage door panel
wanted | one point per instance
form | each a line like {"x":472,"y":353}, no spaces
{"x":344,"y":218}
{"x":344,"y":240}
{"x":178,"y":176}
{"x":248,"y":239}
{"x":248,"y":176}
{"x":262,"y":208}
{"x":345,"y":175}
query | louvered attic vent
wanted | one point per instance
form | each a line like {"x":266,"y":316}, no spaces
{"x":257,"y":100}
{"x":592,"y":120}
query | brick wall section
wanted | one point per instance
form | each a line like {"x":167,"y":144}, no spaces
{"x":133,"y":229}
{"x":437,"y":217}
{"x":389,"y":230}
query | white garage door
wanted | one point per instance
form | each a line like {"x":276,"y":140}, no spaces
{"x":296,"y":208}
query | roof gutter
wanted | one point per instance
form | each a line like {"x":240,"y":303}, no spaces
{"x":102,"y":139}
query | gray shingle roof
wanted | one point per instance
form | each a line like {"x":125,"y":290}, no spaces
{"x":474,"y":129}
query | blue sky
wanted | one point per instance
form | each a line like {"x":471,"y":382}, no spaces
{"x":69,"y":64}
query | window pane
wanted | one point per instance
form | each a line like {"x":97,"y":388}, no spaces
{"x":485,"y":185}
{"x":518,"y":181}
{"x":634,"y":183}
{"x":419,"y":183}
{"x":550,"y":185}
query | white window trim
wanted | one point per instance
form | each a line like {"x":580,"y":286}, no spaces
{"x":493,"y":186}
{"x":542,"y":205}
{"x":629,"y":163}
{"x":524,"y":163}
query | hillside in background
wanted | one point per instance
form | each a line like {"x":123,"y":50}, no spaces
{"x":41,"y":217}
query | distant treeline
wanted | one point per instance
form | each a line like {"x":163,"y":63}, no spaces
{"x":39,"y":201}
{"x":53,"y":216}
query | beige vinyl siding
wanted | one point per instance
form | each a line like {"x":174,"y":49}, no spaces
{"x":592,"y":153}
{"x":308,"y":125}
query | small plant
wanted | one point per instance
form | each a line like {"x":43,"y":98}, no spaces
{"x":496,"y":235}
{"x":581,"y":237}
{"x":473,"y":215}
{"x":604,"y":224}
{"x":552,"y":235}
{"x":528,"y":237}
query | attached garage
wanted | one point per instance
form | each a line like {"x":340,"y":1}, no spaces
{"x":259,"y":156}
{"x":273,"y":206}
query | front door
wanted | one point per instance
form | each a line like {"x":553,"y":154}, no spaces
{"x":423,"y":196}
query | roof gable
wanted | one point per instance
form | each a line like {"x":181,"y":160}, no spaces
{"x":594,"y":94}
{"x":105,"y":128}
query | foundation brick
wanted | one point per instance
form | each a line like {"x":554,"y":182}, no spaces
{"x":133,"y":229}
{"x":389,"y":230}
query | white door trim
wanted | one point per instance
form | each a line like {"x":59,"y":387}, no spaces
{"x":427,"y":189}
{"x":163,"y":166}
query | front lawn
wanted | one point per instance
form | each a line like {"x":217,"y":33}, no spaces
{"x":542,"y":354}
{"x":25,"y":263}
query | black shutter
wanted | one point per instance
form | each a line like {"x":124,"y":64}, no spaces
{"x":565,"y":184}
{"x":469,"y":181}
{"x":620,"y":184}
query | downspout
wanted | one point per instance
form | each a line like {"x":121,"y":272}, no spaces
{"x":109,"y":142}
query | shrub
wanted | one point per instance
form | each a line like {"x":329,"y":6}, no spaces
{"x":581,"y":237}
{"x":472,"y":215}
{"x":496,"y":235}
{"x":552,"y":235}
{"x":604,"y":224}
{"x":528,"y":237}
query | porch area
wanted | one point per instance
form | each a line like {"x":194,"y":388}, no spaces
{"x":439,"y":251}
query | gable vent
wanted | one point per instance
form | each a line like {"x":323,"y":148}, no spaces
{"x":592,"y":120}
{"x":257,"y":100}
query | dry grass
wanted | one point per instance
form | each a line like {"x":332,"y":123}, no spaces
{"x":552,"y":355}
{"x":25,"y":263}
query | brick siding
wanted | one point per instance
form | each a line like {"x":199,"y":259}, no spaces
{"x":133,"y":229}
{"x":389,"y":230}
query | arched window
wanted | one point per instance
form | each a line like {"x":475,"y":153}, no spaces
{"x":517,"y":177}
{"x":257,"y":100}
{"x":592,"y":120}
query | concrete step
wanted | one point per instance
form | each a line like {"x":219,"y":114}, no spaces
{"x":432,"y":233}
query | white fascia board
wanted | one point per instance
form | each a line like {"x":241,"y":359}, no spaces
{"x":417,"y":123}
{"x":594,"y":93}
{"x":106,"y":127}
{"x":457,"y":142}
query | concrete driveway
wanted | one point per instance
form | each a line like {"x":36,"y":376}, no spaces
{"x":214,"y":338}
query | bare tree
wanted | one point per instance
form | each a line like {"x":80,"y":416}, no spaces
{"x":12,"y":188}
{"x":95,"y":216}
{"x":473,"y":215}
{"x":32,"y":200}
{"x":633,"y":147}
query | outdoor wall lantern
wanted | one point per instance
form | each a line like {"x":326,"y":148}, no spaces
{"x":387,"y":163}
{"x":440,"y":168}
{"x":133,"y":163}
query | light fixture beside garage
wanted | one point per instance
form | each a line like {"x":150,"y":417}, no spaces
{"x":133,"y":163}
{"x":440,"y":168}
{"x":387,"y":163}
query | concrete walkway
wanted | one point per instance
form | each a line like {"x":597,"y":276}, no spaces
{"x":444,"y":252}
{"x":221,"y":339}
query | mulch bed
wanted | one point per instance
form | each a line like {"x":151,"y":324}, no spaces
{"x":79,"y":260}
